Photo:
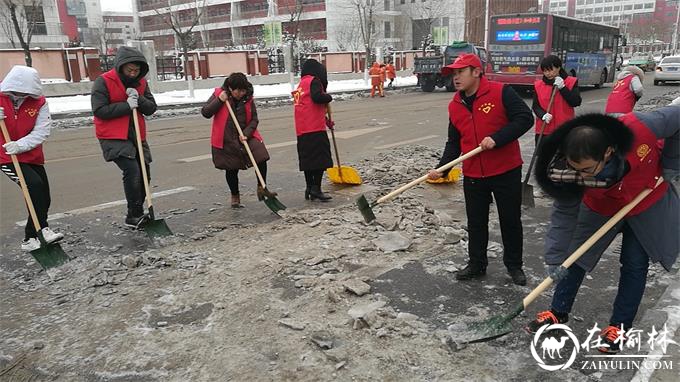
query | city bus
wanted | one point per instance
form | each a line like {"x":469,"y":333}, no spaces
{"x":518,"y":43}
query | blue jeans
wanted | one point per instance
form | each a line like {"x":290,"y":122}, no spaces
{"x":632,"y":281}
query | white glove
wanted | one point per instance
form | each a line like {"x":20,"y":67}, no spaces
{"x":2,"y":113}
{"x":133,"y":102}
{"x":12,"y":148}
{"x":132,"y":92}
{"x":559,"y":82}
{"x":547,"y":117}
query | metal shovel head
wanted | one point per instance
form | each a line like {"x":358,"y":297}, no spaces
{"x":528,"y":195}
{"x":495,"y":327}
{"x":274,"y":204}
{"x":343,"y":175}
{"x":155,"y":228}
{"x":452,"y":177}
{"x":365,"y":208}
{"x":50,"y":255}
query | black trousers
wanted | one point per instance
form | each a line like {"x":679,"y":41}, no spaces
{"x":38,"y":189}
{"x":313,"y":177}
{"x":133,"y":184}
{"x":506,"y":190}
{"x":232,"y":177}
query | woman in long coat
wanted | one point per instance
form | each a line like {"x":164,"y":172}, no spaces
{"x":228,"y":152}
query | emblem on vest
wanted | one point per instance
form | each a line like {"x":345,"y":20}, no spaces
{"x":486,"y":107}
{"x":619,"y":83}
{"x":642,"y":151}
{"x":296,"y":96}
{"x":31,"y":112}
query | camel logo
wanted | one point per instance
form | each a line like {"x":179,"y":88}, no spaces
{"x":642,"y":151}
{"x":486,"y":107}
{"x":31,"y":112}
{"x":552,"y":347}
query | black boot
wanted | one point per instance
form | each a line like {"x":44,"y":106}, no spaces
{"x":316,"y":193}
{"x":308,"y":191}
{"x":471,"y":272}
{"x":518,"y":276}
{"x":136,"y":218}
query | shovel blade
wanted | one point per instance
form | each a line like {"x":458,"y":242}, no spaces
{"x":343,"y":175}
{"x":274,"y":204}
{"x":365,"y":209}
{"x":452,"y":177}
{"x":495,"y":327}
{"x":50,"y":256}
{"x":156,"y":228}
{"x":528,"y":195}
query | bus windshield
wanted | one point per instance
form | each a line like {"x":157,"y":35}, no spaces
{"x":517,"y":43}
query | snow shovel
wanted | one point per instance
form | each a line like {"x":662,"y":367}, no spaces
{"x":154,"y":228}
{"x":498,"y":326}
{"x":270,"y":201}
{"x":340,"y":174}
{"x":527,"y":189}
{"x":366,"y":208}
{"x":49,"y":255}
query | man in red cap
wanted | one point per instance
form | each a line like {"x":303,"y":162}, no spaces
{"x":487,"y":114}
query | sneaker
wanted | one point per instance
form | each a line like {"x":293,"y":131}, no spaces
{"x":547,"y":317}
{"x":30,"y":244}
{"x":518,"y":276}
{"x":612,"y":338}
{"x":51,"y":236}
{"x":470,"y":272}
{"x":136,"y":222}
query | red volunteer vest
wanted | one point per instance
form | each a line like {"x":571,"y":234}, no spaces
{"x":621,"y":99}
{"x":20,"y":125}
{"x":309,"y":116}
{"x":645,"y":168}
{"x":221,"y":118}
{"x":561,"y":111}
{"x":117,"y":128}
{"x":487,"y":117}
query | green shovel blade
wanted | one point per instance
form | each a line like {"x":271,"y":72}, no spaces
{"x":274,"y":204}
{"x":482,"y":331}
{"x":157,"y":228}
{"x":365,"y":208}
{"x":50,"y":255}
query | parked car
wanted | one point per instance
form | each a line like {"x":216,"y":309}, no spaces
{"x":643,"y":62}
{"x":668,"y":70}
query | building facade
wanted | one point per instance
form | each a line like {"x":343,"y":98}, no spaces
{"x":117,"y":28}
{"x":47,"y":32}
{"x":322,"y":24}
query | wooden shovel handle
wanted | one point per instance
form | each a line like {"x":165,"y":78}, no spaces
{"x":142,"y":160}
{"x":423,"y":178}
{"x":22,"y":181}
{"x":245,"y":144}
{"x":540,"y":139}
{"x":335,"y":145}
{"x":591,"y":241}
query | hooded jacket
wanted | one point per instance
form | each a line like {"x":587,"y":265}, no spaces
{"x":28,"y":118}
{"x":103,"y":109}
{"x":654,"y":222}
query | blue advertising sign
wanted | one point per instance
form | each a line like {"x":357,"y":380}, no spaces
{"x":518,"y":35}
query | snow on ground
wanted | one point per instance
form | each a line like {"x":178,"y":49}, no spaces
{"x":82,"y":102}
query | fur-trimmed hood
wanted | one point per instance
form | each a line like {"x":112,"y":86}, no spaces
{"x":620,"y":137}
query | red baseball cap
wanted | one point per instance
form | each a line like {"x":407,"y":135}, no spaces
{"x":463,"y":61}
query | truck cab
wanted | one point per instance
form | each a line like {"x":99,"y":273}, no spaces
{"x":428,"y":68}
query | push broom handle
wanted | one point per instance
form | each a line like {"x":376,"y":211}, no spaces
{"x":245,"y":144}
{"x":142,"y":160}
{"x":423,"y":178}
{"x":22,"y":182}
{"x":335,"y":145}
{"x":540,"y":136}
{"x":591,"y":241}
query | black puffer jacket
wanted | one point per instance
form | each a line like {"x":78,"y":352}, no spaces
{"x":104,"y":109}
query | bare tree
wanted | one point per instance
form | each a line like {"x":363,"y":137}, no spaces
{"x":365,"y":11}
{"x":293,"y":10}
{"x":24,"y":16}
{"x":348,"y":34}
{"x":182,"y":23}
{"x":427,"y":13}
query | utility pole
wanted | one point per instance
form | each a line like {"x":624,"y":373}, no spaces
{"x":486,"y":26}
{"x":675,"y":30}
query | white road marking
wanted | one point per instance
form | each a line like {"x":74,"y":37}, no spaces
{"x":194,"y":159}
{"x":405,"y":142}
{"x":597,"y":100}
{"x":102,"y":206}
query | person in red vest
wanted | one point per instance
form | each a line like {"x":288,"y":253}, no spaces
{"x":25,"y":113}
{"x":115,"y":95}
{"x":606,"y":162}
{"x":487,"y":114}
{"x":567,"y":96}
{"x":227,"y":146}
{"x":376,"y":77}
{"x":626,"y":91}
{"x":313,"y":147}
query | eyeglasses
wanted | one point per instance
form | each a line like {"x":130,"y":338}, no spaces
{"x":588,"y":170}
